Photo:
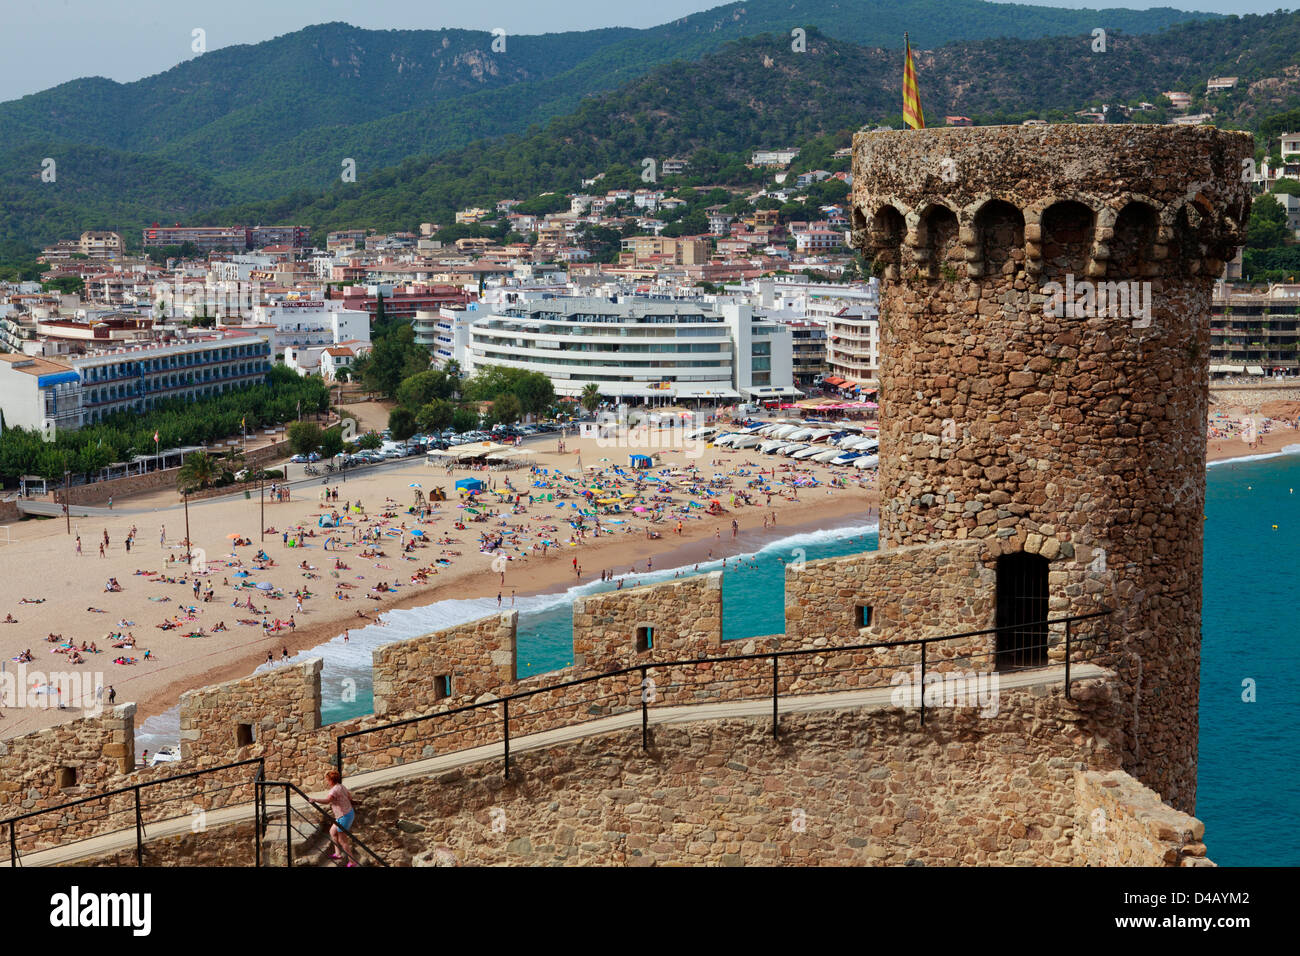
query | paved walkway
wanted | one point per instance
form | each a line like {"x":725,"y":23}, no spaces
{"x":873,"y":699}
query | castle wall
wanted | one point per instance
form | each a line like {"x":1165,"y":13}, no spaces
{"x":850,"y":787}
{"x":976,"y":784}
{"x":282,"y":702}
{"x":1119,"y":822}
{"x":99,"y":749}
{"x":686,"y":618}
{"x":476,"y":657}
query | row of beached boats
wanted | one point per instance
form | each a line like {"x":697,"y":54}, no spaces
{"x":827,"y":443}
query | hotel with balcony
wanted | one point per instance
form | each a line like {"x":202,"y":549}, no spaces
{"x":641,"y":349}
{"x":1255,"y":333}
{"x":135,"y":379}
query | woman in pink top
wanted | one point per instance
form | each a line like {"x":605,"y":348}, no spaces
{"x":340,"y":802}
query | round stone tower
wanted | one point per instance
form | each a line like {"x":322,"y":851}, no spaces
{"x":1044,"y":377}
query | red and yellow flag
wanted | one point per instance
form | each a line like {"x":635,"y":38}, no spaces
{"x":912,"y":114}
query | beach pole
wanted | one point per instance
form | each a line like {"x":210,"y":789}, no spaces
{"x":261,"y":496}
{"x":67,"y":504}
{"x":188,"y":558}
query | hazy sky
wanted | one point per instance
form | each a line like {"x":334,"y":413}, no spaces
{"x":53,"y":41}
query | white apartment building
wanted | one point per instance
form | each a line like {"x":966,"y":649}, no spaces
{"x":850,"y":314}
{"x":311,"y":323}
{"x":634,"y":348}
{"x":83,"y":389}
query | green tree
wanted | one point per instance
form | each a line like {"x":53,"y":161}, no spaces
{"x":401,"y":423}
{"x":197,"y":471}
{"x":331,"y":442}
{"x":506,"y":410}
{"x":1289,"y":187}
{"x":590,"y":397}
{"x":304,"y":437}
{"x":464,"y":419}
{"x":369,"y":441}
{"x":422,"y":388}
{"x":436,"y":416}
{"x":1266,"y":226}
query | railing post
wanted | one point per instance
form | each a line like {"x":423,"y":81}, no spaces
{"x":13,"y":844}
{"x":506,"y":722}
{"x":923,"y":646}
{"x":1067,"y":660}
{"x":288,"y":829}
{"x":257,"y":824}
{"x":774,"y":694}
{"x":139,"y":830}
{"x":338,"y":755}
{"x":645,"y":712}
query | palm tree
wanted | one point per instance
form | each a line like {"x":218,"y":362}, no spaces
{"x":197,"y":472}
{"x":590,"y":397}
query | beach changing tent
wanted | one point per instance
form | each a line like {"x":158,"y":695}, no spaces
{"x":640,"y":461}
{"x":470,"y":484}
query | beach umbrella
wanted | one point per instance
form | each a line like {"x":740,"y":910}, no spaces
{"x":415,"y":484}
{"x":417,"y":533}
{"x":234,"y":536}
{"x":264,"y":585}
{"x":241,"y":574}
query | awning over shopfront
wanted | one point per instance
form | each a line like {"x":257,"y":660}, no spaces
{"x":688,"y":391}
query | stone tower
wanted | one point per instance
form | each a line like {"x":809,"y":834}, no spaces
{"x":1044,"y":381}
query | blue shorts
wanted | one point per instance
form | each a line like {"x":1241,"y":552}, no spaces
{"x":345,"y":822}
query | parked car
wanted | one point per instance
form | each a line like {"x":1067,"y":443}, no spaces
{"x":299,"y":459}
{"x":314,"y":457}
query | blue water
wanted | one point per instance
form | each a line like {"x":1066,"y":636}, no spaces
{"x":1248,"y":789}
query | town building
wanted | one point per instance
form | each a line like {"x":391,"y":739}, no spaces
{"x":644,"y":349}
{"x":1255,"y":333}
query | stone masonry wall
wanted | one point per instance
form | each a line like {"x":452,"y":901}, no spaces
{"x":686,"y":618}
{"x":856,"y":787}
{"x":1007,"y":412}
{"x":276,"y":703}
{"x":1119,"y":822}
{"x":477,"y":657}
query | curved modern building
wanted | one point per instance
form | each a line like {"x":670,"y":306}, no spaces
{"x":638,"y":348}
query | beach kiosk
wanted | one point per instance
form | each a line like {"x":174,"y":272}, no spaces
{"x":470,"y":485}
{"x":640,"y":461}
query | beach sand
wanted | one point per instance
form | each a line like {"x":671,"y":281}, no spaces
{"x":41,"y":563}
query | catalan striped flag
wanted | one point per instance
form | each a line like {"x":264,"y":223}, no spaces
{"x":912,"y":114}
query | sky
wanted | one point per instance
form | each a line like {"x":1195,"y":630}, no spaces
{"x":53,"y":41}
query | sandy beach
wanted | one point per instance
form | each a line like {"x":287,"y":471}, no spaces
{"x":1228,"y":438}
{"x":47,"y":587}
{"x":183,"y":634}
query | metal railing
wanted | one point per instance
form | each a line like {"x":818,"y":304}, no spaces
{"x":1038,"y":654}
{"x":136,"y":790}
{"x":291,"y":827}
{"x":923,"y":643}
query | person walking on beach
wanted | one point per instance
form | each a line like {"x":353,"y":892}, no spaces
{"x":112,"y":694}
{"x":78,"y":545}
{"x":162,"y":537}
{"x":340,"y":804}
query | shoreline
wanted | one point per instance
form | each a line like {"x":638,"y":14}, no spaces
{"x":182,"y":667}
{"x":553,"y":577}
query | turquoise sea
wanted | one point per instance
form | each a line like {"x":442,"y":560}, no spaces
{"x":1249,"y":786}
